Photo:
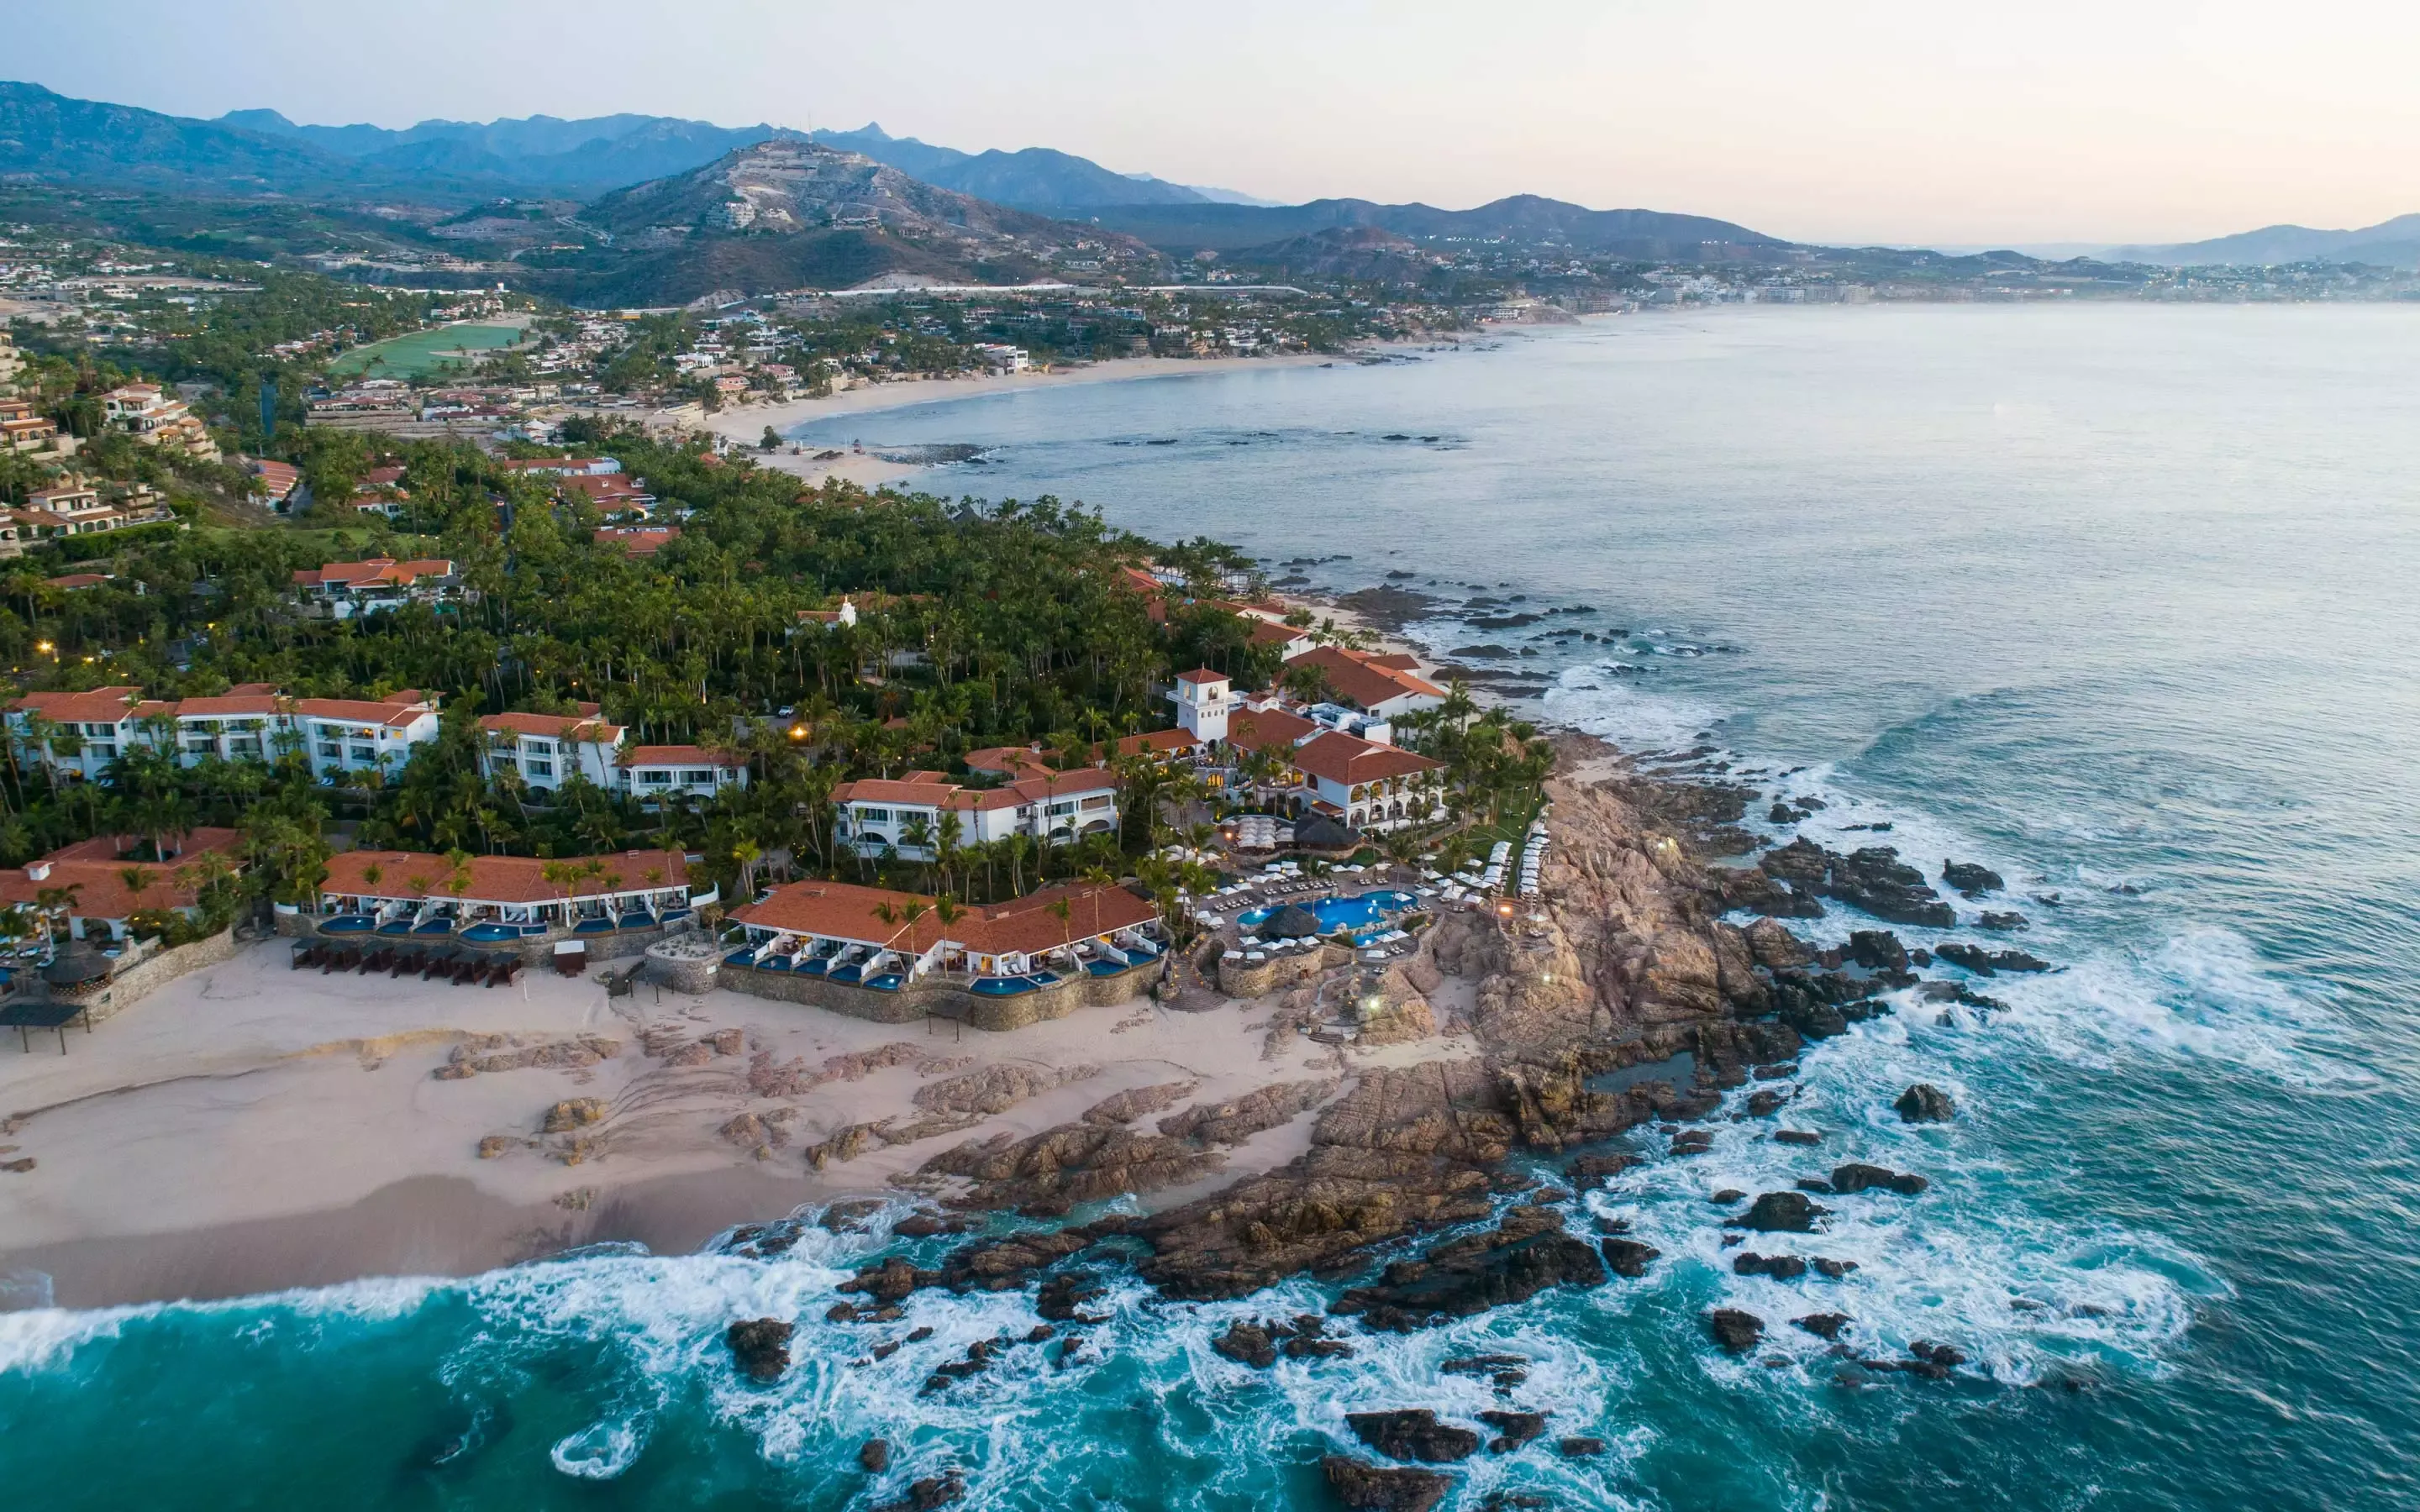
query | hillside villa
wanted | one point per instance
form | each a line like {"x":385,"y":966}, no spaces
{"x":905,"y":815}
{"x":549,"y":749}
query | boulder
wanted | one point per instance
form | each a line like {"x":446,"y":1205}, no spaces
{"x":572,"y":1113}
{"x":1579,"y":1448}
{"x":1823,"y":1325}
{"x":1781,"y":1213}
{"x":761,"y":1346}
{"x":1735,"y":1331}
{"x":1627,"y":1258}
{"x":1512,"y":1430}
{"x":874,"y":1455}
{"x":931,"y":1492}
{"x":1970,"y":878}
{"x":1247,"y":1344}
{"x":1413,"y":1433}
{"x":1925,"y":1104}
{"x":2002,"y":922}
{"x":1796,"y":1136}
{"x":1855,"y":1178}
{"x":1779,"y":1267}
{"x":1383,"y":1489}
{"x":1774,"y":948}
{"x":1877,"y":949}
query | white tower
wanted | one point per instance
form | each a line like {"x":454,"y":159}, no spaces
{"x":1203,"y":701}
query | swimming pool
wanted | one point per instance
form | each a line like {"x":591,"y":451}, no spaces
{"x":347,"y":924}
{"x":1334,"y":914}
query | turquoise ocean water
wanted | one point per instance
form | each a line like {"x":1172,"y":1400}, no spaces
{"x":2120,"y":600}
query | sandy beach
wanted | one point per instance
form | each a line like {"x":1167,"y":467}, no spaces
{"x":745,"y":424}
{"x":250,"y":1127}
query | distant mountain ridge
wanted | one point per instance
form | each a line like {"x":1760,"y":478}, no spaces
{"x":582,"y":157}
{"x":1647,"y":235}
{"x":2394,"y":243}
{"x":1033,"y":179}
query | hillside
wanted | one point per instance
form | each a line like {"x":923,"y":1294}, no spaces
{"x":47,"y":136}
{"x":791,"y":213}
{"x":1641,"y":234}
{"x":582,"y":157}
{"x":2394,"y":243}
{"x":1036,"y":179}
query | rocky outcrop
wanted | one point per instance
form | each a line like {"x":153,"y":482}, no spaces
{"x":1925,"y":1104}
{"x":1781,"y":1213}
{"x":1736,"y":1331}
{"x":486,"y":1052}
{"x":1873,"y":880}
{"x":1855,"y":1178}
{"x":1383,"y":1489}
{"x":1524,"y":1254}
{"x":1825,"y":1326}
{"x":572,"y":1113}
{"x":1984,"y":963}
{"x":1258,"y":1343}
{"x":1413,"y":1434}
{"x":1139,"y":1101}
{"x":996,"y":1089}
{"x":1972,"y":880}
{"x":1239,"y":1118}
{"x":1627,"y":1258}
{"x":761,"y":1347}
{"x":874,"y":1455}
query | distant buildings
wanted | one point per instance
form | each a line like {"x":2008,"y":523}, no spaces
{"x":346,"y":590}
{"x":152,"y":416}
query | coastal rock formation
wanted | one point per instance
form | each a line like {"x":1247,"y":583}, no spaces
{"x":1126,"y":1106}
{"x":1627,"y":1258}
{"x":1524,"y":1254}
{"x":1984,"y":963}
{"x":1512,"y":1430}
{"x":487,"y":1053}
{"x":1972,"y":880}
{"x":1413,"y":1434}
{"x":1383,"y":1489}
{"x":996,"y":1089}
{"x":1237,"y":1119}
{"x":1925,"y":1104}
{"x":1781,"y":1213}
{"x":874,"y":1455}
{"x":1873,"y":879}
{"x":1735,"y":1331}
{"x":762,"y":1348}
{"x":1854,"y":1177}
{"x":1779,"y":1267}
{"x":572,"y":1113}
{"x":1825,"y":1326}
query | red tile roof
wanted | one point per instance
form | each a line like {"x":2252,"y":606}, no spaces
{"x":1028,"y":926}
{"x":1267,"y":730}
{"x":639,"y":540}
{"x":1360,"y":678}
{"x":583,"y":726}
{"x":93,"y":867}
{"x":680,"y":756}
{"x":380,"y":571}
{"x":1203,"y":674}
{"x":1352,"y":761}
{"x":497,"y":879}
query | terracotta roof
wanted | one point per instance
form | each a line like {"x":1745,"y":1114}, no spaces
{"x":1159,"y":742}
{"x":103,"y":705}
{"x":583,"y":726}
{"x":81,"y":580}
{"x":1352,"y":761}
{"x":1268,"y":730}
{"x":375,"y":571}
{"x":639,"y":540}
{"x":1266,"y":634}
{"x":496,"y":879}
{"x":1008,"y":761}
{"x":1358,"y":677}
{"x":679,"y":756}
{"x":839,"y":910}
{"x":361,"y":711}
{"x":93,"y":868}
{"x":1203,"y":674}
{"x":232,"y":703}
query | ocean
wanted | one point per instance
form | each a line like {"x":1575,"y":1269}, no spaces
{"x":2118,"y":600}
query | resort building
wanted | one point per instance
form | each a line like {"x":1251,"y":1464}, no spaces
{"x":563,"y":467}
{"x":146,"y":412}
{"x":550,"y":750}
{"x":906,"y":815}
{"x":276,"y":482}
{"x":1385,"y":686}
{"x":80,"y":734}
{"x":91,"y":884}
{"x":1326,"y":760}
{"x":25,"y":428}
{"x":639,"y":540}
{"x":504,"y":897}
{"x":878,"y":938}
{"x":344,"y":589}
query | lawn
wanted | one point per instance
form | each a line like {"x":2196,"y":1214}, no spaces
{"x":416,"y":355}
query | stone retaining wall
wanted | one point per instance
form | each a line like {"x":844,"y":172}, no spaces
{"x":114,"y":993}
{"x":932,"y":998}
{"x":533,"y":950}
{"x":1258,"y":979}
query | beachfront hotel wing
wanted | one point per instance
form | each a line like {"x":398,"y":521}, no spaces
{"x":509,"y":894}
{"x":88,"y":883}
{"x":1330,"y":759}
{"x":550,"y":750}
{"x":905,"y":815}
{"x":845,"y":933}
{"x":80,"y":734}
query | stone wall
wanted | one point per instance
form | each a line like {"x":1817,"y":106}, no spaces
{"x":934,"y":997}
{"x":533,"y":950}
{"x":131,"y":984}
{"x":1258,"y":979}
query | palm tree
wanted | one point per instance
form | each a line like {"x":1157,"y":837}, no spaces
{"x":57,"y":903}
{"x":747,"y":852}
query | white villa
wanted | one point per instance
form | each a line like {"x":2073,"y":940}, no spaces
{"x":906,"y":815}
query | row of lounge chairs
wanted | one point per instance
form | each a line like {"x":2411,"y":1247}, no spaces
{"x":450,"y":963}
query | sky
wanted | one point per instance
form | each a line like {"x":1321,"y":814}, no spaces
{"x":1860,"y":121}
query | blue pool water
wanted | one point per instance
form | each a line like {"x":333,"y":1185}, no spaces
{"x":492,"y":931}
{"x":1356,"y":913}
{"x":347,"y":924}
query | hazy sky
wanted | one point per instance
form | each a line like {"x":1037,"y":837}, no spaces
{"x":1872,"y":120}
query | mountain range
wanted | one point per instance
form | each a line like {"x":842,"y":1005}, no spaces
{"x":2394,"y":243}
{"x":1033,"y":179}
